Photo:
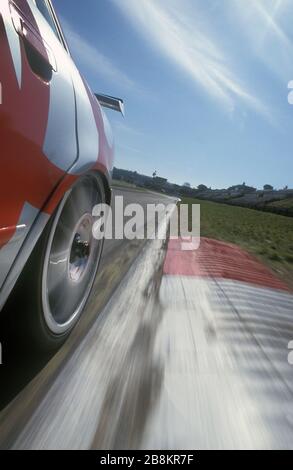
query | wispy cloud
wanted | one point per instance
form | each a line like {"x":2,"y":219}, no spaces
{"x":90,"y":57}
{"x":179,"y":37}
{"x":266,"y":14}
{"x":263,"y":21}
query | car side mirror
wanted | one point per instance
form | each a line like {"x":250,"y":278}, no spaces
{"x":110,"y":102}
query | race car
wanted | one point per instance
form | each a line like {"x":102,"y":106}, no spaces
{"x":55,"y":166}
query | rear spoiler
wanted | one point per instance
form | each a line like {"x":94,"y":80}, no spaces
{"x":110,"y":102}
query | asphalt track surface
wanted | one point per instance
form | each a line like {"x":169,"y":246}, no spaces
{"x":175,"y":350}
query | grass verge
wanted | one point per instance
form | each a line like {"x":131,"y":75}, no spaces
{"x":265,"y":235}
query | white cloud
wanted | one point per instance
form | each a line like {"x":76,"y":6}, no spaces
{"x":263,"y":24}
{"x":89,"y":56}
{"x":266,"y":15}
{"x":177,"y":35}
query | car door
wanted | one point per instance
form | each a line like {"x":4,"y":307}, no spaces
{"x":37,"y":118}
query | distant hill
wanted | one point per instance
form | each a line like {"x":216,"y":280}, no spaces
{"x":271,"y":200}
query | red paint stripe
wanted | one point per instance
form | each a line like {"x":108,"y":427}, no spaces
{"x":217,"y":259}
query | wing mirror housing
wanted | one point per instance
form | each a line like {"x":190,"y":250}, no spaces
{"x":117,"y":104}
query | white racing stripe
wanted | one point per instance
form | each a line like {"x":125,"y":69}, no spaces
{"x":14,"y":43}
{"x":60,"y":144}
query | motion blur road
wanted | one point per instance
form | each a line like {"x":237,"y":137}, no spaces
{"x":174,"y":351}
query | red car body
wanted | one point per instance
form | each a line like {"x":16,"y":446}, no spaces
{"x":52,"y":130}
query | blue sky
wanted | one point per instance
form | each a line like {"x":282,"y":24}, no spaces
{"x":205,"y":84}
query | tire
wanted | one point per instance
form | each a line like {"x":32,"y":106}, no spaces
{"x":56,"y":282}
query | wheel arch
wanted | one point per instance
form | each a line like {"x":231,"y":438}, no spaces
{"x":43,"y":218}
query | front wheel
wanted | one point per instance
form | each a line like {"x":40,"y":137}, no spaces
{"x":58,"y":279}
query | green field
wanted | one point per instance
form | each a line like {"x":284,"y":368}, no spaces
{"x":268,"y":236}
